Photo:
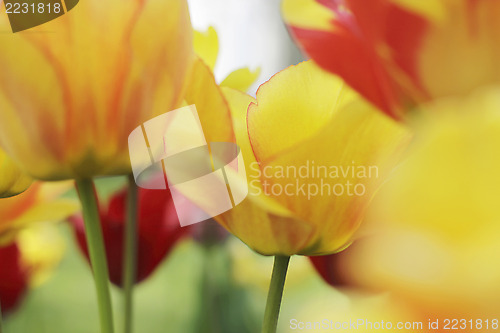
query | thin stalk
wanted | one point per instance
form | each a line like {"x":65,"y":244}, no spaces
{"x":97,"y":252}
{"x":1,"y":320}
{"x":275,"y":294}
{"x":130,"y":255}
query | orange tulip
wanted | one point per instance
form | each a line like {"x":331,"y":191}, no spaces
{"x":398,"y":53}
{"x":73,"y":89}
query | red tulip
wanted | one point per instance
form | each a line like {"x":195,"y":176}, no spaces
{"x":14,"y":277}
{"x":335,"y":268}
{"x":158,"y":231}
{"x":399,"y":53}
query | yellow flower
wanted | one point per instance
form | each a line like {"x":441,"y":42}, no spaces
{"x":73,"y":89}
{"x":39,"y":203}
{"x":314,"y":154}
{"x":436,"y":222}
{"x":12,"y":180}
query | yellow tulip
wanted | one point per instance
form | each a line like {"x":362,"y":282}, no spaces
{"x":12,"y":180}
{"x":314,"y":154}
{"x":73,"y":89}
{"x":436,"y":223}
{"x":39,"y":203}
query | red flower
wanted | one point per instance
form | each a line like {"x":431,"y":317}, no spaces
{"x":158,"y":232}
{"x":398,"y":53}
{"x":335,"y":268}
{"x":14,"y":277}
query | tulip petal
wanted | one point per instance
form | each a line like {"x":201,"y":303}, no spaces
{"x":241,"y":79}
{"x":206,"y":46}
{"x":259,"y":221}
{"x":213,"y":110}
{"x":12,"y":180}
{"x":37,"y":204}
{"x":70,"y":99}
{"x":316,"y":121}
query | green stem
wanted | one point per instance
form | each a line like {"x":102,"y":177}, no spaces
{"x":130,"y":254}
{"x":1,"y":320}
{"x":275,"y":294}
{"x":97,"y":252}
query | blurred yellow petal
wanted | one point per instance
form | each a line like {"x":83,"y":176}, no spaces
{"x":307,"y":14}
{"x":429,"y":8}
{"x":40,"y":203}
{"x":42,"y":248}
{"x":241,"y":79}
{"x":206,"y":46}
{"x":12,"y":180}
{"x":69,"y":99}
{"x":436,"y":222}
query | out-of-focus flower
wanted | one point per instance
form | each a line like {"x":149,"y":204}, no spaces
{"x":252,"y":269}
{"x":12,"y":180}
{"x":332,"y":267}
{"x":27,"y":262}
{"x":206,"y":46}
{"x":70,"y":99}
{"x":157,"y":232}
{"x":39,"y":203}
{"x":327,"y":310}
{"x":435,"y":224}
{"x":13,"y":277}
{"x":306,"y":119}
{"x":400,"y":52}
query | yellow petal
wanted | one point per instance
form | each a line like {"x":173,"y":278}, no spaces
{"x":210,"y":103}
{"x":206,"y":46}
{"x":440,"y":208}
{"x":42,"y":248}
{"x":69,"y":99}
{"x":322,"y":151}
{"x":308,"y":14}
{"x":429,"y":8}
{"x":12,"y":180}
{"x":40,"y":203}
{"x":241,"y":79}
{"x":259,"y":221}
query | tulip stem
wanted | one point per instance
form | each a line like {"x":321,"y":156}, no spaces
{"x":275,"y":294}
{"x":130,"y":254}
{"x":1,"y":320}
{"x":97,"y":251}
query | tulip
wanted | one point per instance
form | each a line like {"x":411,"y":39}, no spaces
{"x":69,"y":99}
{"x":28,"y":260}
{"x":399,"y":53}
{"x":305,"y":121}
{"x":37,"y":204}
{"x":435,"y":224}
{"x":13,"y":277}
{"x":316,"y":122}
{"x":12,"y":180}
{"x":332,"y":267}
{"x":157,"y":232}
